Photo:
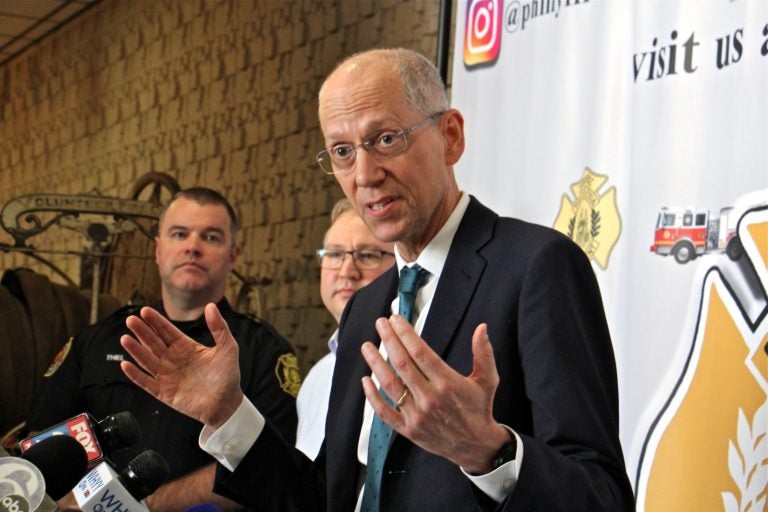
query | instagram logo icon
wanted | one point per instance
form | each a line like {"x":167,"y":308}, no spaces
{"x":482,"y":39}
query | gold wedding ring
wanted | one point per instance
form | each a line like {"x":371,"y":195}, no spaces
{"x":403,"y":397}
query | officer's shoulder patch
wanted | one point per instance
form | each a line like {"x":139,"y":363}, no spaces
{"x":287,"y":372}
{"x":62,"y":354}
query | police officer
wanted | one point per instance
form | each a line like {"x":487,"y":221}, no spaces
{"x":195,"y":250}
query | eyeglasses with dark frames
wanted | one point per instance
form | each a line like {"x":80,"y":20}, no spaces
{"x":364,"y":259}
{"x":382,"y":146}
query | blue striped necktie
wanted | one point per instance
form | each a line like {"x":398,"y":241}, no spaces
{"x":411,"y":279}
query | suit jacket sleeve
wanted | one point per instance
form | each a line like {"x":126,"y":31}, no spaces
{"x":275,"y":476}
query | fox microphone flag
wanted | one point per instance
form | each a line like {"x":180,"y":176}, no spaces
{"x":98,"y":438}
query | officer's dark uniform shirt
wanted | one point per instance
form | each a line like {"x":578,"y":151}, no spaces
{"x":89,"y":379}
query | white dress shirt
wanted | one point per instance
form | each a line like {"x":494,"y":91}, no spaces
{"x":312,"y":402}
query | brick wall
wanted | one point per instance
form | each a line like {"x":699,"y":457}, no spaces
{"x":213,"y":93}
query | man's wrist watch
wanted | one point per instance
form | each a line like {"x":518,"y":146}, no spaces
{"x":505,"y":454}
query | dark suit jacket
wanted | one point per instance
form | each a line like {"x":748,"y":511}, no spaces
{"x":536,"y":291}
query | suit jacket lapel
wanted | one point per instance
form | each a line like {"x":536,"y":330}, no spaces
{"x":461,"y":274}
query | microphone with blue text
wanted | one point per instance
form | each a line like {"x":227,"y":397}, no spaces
{"x":45,"y":472}
{"x":98,"y":438}
{"x":104,"y":490}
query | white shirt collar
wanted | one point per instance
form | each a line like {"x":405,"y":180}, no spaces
{"x":434,"y":254}
{"x":432,"y":258}
{"x":333,"y":341}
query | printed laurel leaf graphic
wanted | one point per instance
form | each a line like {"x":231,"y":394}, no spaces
{"x":748,"y":463}
{"x":729,"y":502}
{"x":736,"y":465}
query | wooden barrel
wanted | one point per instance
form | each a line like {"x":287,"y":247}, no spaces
{"x":17,"y":361}
{"x":37,"y":317}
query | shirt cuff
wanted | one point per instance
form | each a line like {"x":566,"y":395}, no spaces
{"x":229,"y":443}
{"x":500,"y":482}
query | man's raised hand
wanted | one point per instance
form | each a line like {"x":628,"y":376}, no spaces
{"x":443,"y":412}
{"x":201,"y":382}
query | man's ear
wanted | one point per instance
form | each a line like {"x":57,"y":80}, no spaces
{"x":234,"y":252}
{"x":157,"y":247}
{"x":452,"y":127}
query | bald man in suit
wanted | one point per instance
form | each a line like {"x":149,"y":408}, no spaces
{"x":501,"y":390}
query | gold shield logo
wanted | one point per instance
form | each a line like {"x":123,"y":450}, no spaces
{"x":708,"y":447}
{"x":288,"y":375}
{"x":590,"y":219}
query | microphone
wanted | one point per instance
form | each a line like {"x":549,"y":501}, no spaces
{"x":55,"y":464}
{"x":97,"y":437}
{"x":103,"y":489}
{"x":61,"y":460}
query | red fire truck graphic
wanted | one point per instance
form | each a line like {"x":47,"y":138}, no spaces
{"x":686,"y":233}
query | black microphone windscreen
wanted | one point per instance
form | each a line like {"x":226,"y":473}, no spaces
{"x":61,"y":460}
{"x":144,"y":474}
{"x":118,"y":431}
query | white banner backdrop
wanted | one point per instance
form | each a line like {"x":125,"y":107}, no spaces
{"x":601,"y":119}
